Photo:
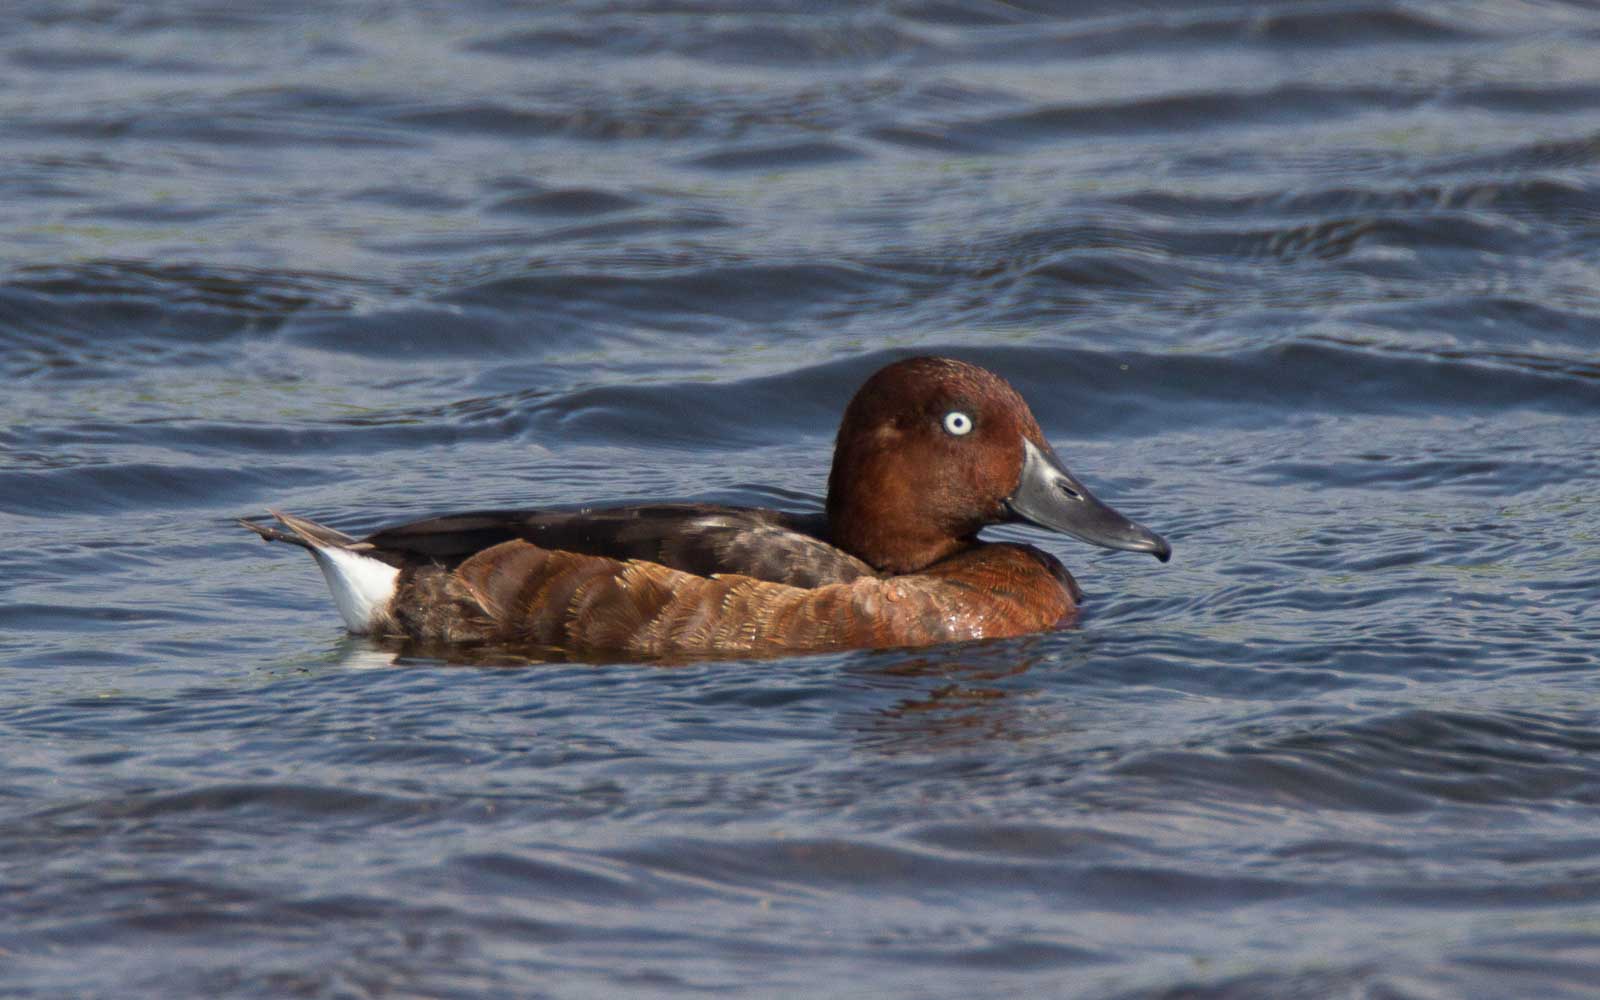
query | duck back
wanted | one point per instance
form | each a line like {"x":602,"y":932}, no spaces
{"x":701,"y":539}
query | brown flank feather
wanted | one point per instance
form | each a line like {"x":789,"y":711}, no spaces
{"x":519,"y":593}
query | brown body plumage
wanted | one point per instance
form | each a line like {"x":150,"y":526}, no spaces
{"x":516,"y":592}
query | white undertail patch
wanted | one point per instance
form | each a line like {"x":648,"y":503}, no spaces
{"x":362,"y":586}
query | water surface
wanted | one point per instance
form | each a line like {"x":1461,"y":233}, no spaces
{"x":1308,"y":288}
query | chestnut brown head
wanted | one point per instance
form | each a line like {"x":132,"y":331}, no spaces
{"x":931,"y":450}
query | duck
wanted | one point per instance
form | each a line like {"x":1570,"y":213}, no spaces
{"x":929,"y":452}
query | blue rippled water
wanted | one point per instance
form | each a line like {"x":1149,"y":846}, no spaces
{"x":1311,"y":288}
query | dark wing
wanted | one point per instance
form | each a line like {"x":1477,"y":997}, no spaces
{"x":696,"y":538}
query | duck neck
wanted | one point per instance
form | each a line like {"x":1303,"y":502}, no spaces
{"x":887,"y":531}
{"x":892,"y":552}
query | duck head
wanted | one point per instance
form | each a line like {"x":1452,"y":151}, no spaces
{"x":931,"y":450}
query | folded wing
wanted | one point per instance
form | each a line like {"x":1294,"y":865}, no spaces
{"x":702,"y":539}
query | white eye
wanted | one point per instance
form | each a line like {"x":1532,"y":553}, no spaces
{"x":957,"y":423}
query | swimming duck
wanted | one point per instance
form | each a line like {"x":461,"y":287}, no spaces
{"x":929,"y":452}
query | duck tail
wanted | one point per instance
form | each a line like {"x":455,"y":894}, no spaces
{"x":362,"y":584}
{"x":304,"y":533}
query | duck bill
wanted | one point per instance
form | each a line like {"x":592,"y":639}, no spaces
{"x":1051,"y":497}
